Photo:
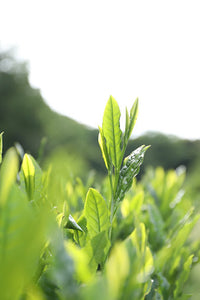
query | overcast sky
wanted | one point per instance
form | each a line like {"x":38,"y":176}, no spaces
{"x":81,"y":52}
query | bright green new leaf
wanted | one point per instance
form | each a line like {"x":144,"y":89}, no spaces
{"x":28,"y":170}
{"x":1,"y":146}
{"x":32,"y":178}
{"x":104,"y":151}
{"x":8,"y":174}
{"x":127,"y":124}
{"x":38,"y":179}
{"x":112,"y":131}
{"x":129,"y":171}
{"x":133,"y":117}
{"x":131,"y":120}
{"x":96,"y":213}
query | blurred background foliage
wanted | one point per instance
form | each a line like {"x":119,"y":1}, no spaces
{"x":26,"y":119}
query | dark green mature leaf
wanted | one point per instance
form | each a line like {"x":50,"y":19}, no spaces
{"x":1,"y":146}
{"x":96,"y":213}
{"x":112,"y":131}
{"x":129,"y":171}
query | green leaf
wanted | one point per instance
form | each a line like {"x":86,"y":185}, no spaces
{"x":104,"y":151}
{"x":145,"y":258}
{"x":81,"y":237}
{"x":183,"y":277}
{"x":133,"y":203}
{"x":28,"y":170}
{"x":112,"y":131}
{"x":127,"y":125}
{"x":168,"y":258}
{"x":124,"y":229}
{"x":130,"y":169}
{"x":131,"y":120}
{"x":8,"y":174}
{"x":71,"y":224}
{"x":62,"y":269}
{"x":81,"y":262}
{"x":100,"y":245}
{"x":22,"y":235}
{"x":117,"y":270}
{"x":38,"y":176}
{"x":96,"y":213}
{"x":1,"y":146}
{"x":156,"y":226}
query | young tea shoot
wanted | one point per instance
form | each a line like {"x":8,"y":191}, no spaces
{"x":113,"y":144}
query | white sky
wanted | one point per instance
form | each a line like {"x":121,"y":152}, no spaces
{"x":80,"y":52}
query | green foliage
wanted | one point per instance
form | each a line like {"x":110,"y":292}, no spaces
{"x":8,"y":175}
{"x":22,"y":232}
{"x":112,"y":132}
{"x":130,"y":169}
{"x":113,"y":146}
{"x":96,"y":213}
{"x":62,"y":239}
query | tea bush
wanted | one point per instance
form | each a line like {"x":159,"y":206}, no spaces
{"x":121,"y":240}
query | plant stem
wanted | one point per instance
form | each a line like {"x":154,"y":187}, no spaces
{"x":117,"y":172}
{"x":111,"y":204}
{"x":113,"y":189}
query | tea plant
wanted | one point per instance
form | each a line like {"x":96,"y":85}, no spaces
{"x":67,"y":240}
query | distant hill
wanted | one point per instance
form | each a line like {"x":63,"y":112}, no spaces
{"x":27,"y":119}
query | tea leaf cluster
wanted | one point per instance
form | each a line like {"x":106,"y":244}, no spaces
{"x":122,"y":239}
